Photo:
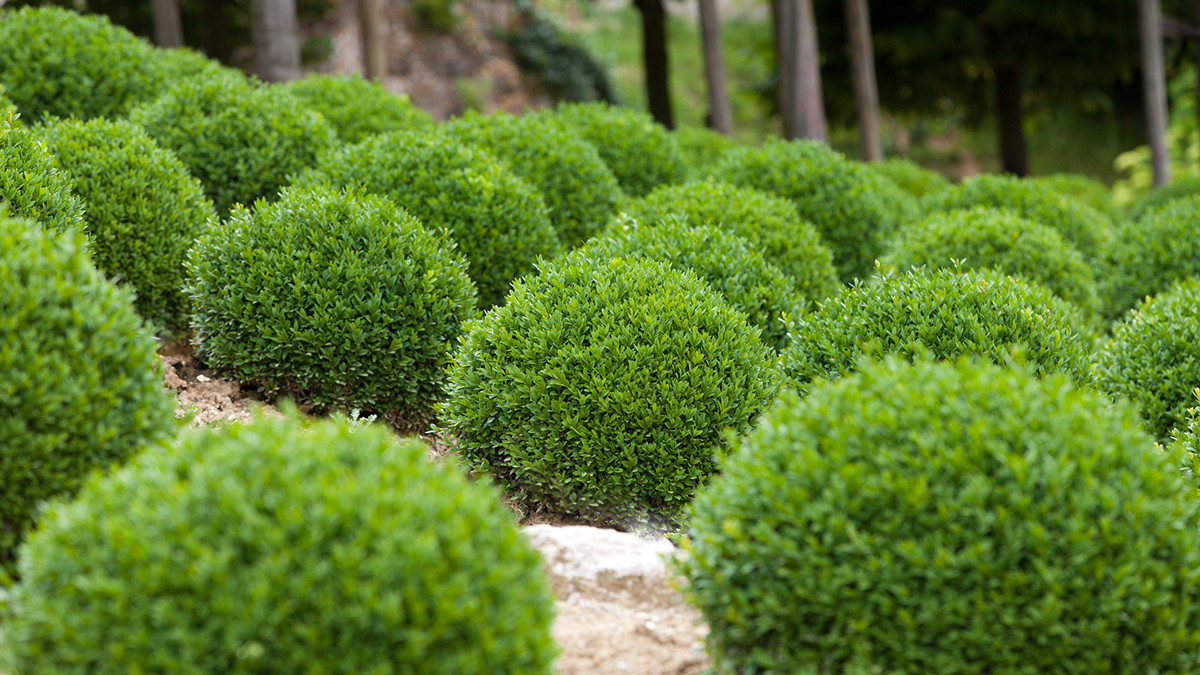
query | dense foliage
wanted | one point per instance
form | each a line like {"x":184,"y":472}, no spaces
{"x":1081,"y":226}
{"x":499,"y":221}
{"x":1153,"y":358}
{"x":243,"y":140}
{"x":1150,"y":254}
{"x":143,"y":209}
{"x":640,"y":153}
{"x":769,"y":223}
{"x":729,"y":264}
{"x":566,"y":66}
{"x":948,"y":518}
{"x":828,"y":190}
{"x":81,"y":385}
{"x":578,"y":187}
{"x":54,"y":62}
{"x":357,"y":108}
{"x":604,"y":387}
{"x":701,"y":146}
{"x":1085,"y":190}
{"x":911,"y":177}
{"x":333,"y":299}
{"x":983,"y":237}
{"x":31,"y":182}
{"x":944,"y":314}
{"x":275,"y":548}
{"x":1177,"y":189}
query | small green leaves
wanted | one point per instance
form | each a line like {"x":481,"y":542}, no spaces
{"x":357,"y":108}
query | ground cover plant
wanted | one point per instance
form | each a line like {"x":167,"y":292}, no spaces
{"x":32,"y":185}
{"x":243,"y":140}
{"x":1149,"y":255}
{"x":498,"y":221}
{"x":357,"y":108}
{"x":942,"y":314}
{"x":640,"y":153}
{"x":143,"y":209}
{"x":333,"y":299}
{"x":911,"y":519}
{"x":54,"y":62}
{"x":577,"y":186}
{"x":1152,"y":358}
{"x":987,"y":238}
{"x":770,"y":223}
{"x":727,"y":262}
{"x":829,"y":191}
{"x":81,"y":386}
{"x":275,"y":548}
{"x":605,"y":387}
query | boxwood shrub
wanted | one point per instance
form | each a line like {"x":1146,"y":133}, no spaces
{"x":1153,"y":358}
{"x":729,"y":264}
{"x":701,"y":146}
{"x":357,"y":108}
{"x":1176,"y":189}
{"x":911,"y":177}
{"x":1083,"y":227}
{"x":943,"y":314}
{"x":274,"y":548}
{"x":144,"y":209}
{"x":8,"y":111}
{"x":54,"y":62}
{"x":578,"y":187}
{"x":828,"y":190}
{"x":1085,"y":190}
{"x":81,"y":386}
{"x":1150,"y":254}
{"x":331,"y":298}
{"x":499,"y":221}
{"x":948,"y":518}
{"x":31,"y":182}
{"x":770,"y":223}
{"x":243,"y":140}
{"x":641,"y":153}
{"x":983,"y":237}
{"x":604,"y":387}
{"x":1187,"y":444}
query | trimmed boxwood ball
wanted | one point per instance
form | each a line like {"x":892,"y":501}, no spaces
{"x":727,"y":262}
{"x":1083,"y":227}
{"x":1150,"y":254}
{"x":1187,"y":443}
{"x":276,"y":548}
{"x":332,"y":298}
{"x":983,"y":237}
{"x":499,"y":221}
{"x":702,"y":146}
{"x":944,"y":314}
{"x":828,"y":190}
{"x":911,"y":177}
{"x":1153,"y":358}
{"x":54,"y":62}
{"x":31,"y":182}
{"x":81,"y":386}
{"x":357,"y":108}
{"x":1176,"y":189}
{"x":948,"y":518}
{"x":143,"y":209}
{"x":768,"y":222}
{"x":8,"y":111}
{"x":577,"y":186}
{"x":1086,"y":190}
{"x":641,"y":153}
{"x":243,"y":140}
{"x":604,"y":388}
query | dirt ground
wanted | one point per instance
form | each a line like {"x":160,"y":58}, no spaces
{"x":610,"y":626}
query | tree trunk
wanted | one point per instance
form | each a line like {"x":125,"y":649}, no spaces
{"x":787,"y":56}
{"x":720,"y":112}
{"x":1196,"y":55}
{"x":168,"y":28}
{"x":1155,"y":92}
{"x":1013,"y":155}
{"x":276,"y":39}
{"x":373,"y":28}
{"x":216,"y":32}
{"x":654,"y":55}
{"x":808,"y":78}
{"x":866,"y":94}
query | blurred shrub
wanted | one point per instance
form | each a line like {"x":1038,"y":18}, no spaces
{"x":358,"y":108}
{"x":1177,"y":189}
{"x":566,"y":66}
{"x":702,"y":147}
{"x":911,"y":177}
{"x":1085,"y":190}
{"x":1150,"y":254}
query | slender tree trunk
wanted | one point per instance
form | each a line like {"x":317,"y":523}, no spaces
{"x":866,"y":94}
{"x":276,"y":39}
{"x":654,"y":56}
{"x":808,"y":78}
{"x":373,"y":28}
{"x":1013,"y":155}
{"x":1155,"y":93}
{"x":1196,"y":46}
{"x":721,"y":114}
{"x":787,"y":57}
{"x":168,"y":28}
